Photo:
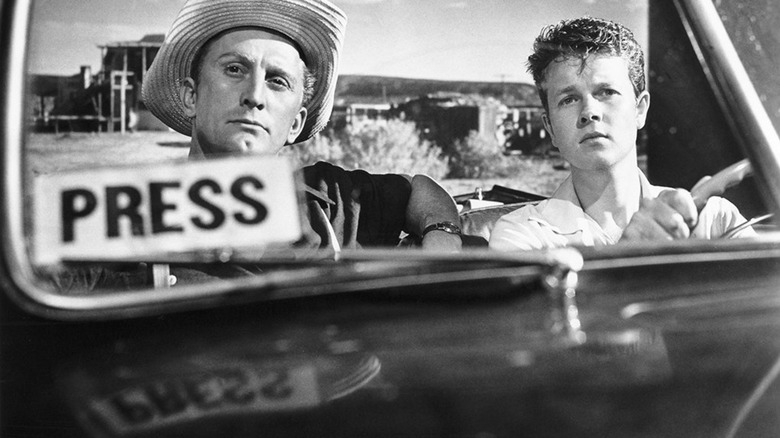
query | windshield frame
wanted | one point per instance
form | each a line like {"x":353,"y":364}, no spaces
{"x":739,"y":100}
{"x":736,"y":93}
{"x":14,"y":37}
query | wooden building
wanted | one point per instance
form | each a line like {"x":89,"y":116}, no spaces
{"x":107,"y":101}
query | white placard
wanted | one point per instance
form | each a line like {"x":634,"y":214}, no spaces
{"x":134,"y":213}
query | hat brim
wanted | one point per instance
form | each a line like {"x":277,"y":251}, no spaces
{"x":316,"y":26}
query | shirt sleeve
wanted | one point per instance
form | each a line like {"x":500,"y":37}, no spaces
{"x":366,"y":209}
{"x":717,"y":217}
{"x":513,"y":232}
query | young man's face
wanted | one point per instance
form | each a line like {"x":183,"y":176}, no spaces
{"x":593,"y":115}
{"x":248,"y":97}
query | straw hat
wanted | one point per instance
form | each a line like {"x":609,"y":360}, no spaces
{"x":317,"y":26}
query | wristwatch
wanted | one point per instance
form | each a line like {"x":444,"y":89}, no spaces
{"x":447,"y":227}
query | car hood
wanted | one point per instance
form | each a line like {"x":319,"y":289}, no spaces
{"x":675,"y":346}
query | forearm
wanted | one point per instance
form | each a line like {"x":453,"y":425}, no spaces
{"x":430,"y":204}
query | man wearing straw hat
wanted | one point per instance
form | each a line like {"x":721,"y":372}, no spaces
{"x":252,"y":76}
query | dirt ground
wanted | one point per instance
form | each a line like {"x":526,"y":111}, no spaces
{"x":537,"y":176}
{"x":50,"y":153}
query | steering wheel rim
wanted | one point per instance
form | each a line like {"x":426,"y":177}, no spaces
{"x":717,"y":184}
{"x":731,"y":232}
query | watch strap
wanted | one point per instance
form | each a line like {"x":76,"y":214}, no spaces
{"x":446,"y":226}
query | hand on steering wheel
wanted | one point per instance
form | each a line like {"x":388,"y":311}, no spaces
{"x":717,"y":184}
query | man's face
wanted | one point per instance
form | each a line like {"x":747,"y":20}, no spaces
{"x":593,"y":114}
{"x":249,"y":94}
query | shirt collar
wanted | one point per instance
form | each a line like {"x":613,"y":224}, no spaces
{"x":565,"y":208}
{"x":649,"y":191}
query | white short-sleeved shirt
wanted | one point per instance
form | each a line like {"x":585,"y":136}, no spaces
{"x":560,"y":221}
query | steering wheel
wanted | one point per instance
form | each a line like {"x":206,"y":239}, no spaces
{"x":718,"y":184}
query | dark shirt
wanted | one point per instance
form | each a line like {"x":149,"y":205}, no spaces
{"x":363,"y":209}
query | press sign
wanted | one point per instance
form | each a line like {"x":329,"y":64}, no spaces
{"x":133,"y":213}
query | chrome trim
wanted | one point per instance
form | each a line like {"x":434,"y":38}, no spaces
{"x":14,"y":84}
{"x":735,"y":92}
{"x":724,"y":254}
{"x":561,"y":285}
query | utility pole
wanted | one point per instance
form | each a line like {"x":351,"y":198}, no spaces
{"x":503,"y":77}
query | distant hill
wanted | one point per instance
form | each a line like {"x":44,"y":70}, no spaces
{"x":380,"y":89}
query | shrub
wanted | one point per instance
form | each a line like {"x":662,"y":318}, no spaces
{"x":391,"y":146}
{"x":477,"y":156}
{"x":319,"y":148}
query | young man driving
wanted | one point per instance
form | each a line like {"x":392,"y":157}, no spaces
{"x":591,"y":80}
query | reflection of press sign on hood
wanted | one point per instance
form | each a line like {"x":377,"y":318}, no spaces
{"x":137,"y":214}
{"x":174,"y":395}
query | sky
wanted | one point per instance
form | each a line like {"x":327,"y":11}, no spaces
{"x":472,"y":40}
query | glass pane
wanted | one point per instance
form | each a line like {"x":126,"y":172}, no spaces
{"x":754,"y":27}
{"x":410,"y":81}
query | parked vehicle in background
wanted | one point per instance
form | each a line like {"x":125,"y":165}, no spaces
{"x":666,"y":339}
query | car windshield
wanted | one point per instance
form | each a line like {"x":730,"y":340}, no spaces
{"x":415,"y":95}
{"x":752,"y":28}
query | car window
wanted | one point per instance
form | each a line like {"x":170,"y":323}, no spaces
{"x":752,"y":27}
{"x":416,"y":95}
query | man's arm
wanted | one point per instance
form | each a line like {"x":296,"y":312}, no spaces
{"x":678,"y":214}
{"x":430,"y":204}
